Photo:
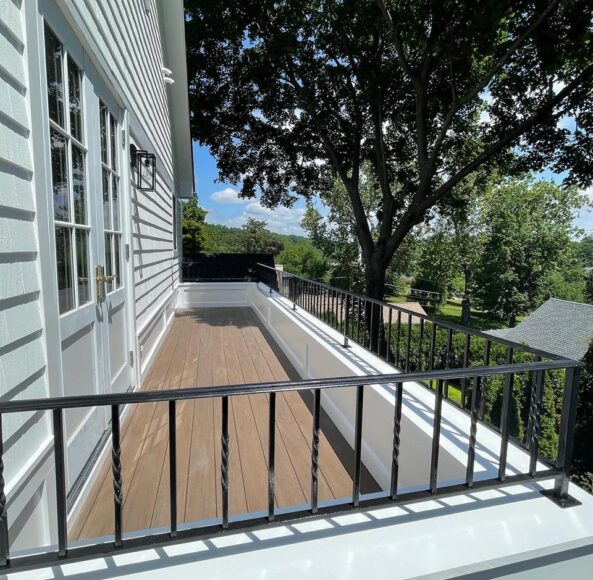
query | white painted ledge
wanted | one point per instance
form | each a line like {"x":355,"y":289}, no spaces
{"x":513,"y":533}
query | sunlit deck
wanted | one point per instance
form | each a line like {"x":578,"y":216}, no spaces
{"x":207,"y":347}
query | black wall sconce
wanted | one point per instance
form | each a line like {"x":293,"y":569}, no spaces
{"x":144,"y":168}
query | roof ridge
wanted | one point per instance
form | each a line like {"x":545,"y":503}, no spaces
{"x":567,"y":302}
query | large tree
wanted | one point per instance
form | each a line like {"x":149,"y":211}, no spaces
{"x":528,"y":230}
{"x":255,"y":238}
{"x":289,"y":94}
{"x":193,"y":227}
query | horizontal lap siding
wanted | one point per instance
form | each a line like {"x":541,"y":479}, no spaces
{"x":156,"y":269}
{"x":22,"y":355}
{"x":129,"y":39}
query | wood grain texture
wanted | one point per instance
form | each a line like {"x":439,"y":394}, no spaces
{"x":205,"y":347}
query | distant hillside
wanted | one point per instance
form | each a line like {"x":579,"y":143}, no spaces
{"x":222,"y":239}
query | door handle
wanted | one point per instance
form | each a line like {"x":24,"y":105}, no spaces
{"x":100,"y":280}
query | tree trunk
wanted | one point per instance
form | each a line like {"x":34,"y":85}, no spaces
{"x":375,"y":288}
{"x":465,"y":311}
{"x":465,"y":302}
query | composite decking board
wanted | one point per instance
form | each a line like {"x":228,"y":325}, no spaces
{"x":98,"y":494}
{"x":207,"y":347}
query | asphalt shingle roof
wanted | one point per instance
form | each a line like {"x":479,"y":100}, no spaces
{"x":557,"y":326}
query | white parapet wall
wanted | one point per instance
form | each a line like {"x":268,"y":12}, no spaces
{"x":205,"y":294}
{"x":316,"y":351}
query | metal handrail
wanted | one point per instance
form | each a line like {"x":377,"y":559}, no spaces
{"x":80,"y":401}
{"x":473,"y":381}
{"x":441,"y":323}
{"x":538,"y":470}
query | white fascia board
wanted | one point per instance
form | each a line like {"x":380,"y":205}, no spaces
{"x":172,"y":26}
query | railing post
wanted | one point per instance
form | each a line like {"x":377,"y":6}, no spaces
{"x":566,"y":440}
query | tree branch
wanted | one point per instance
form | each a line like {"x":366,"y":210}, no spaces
{"x":395,"y":34}
{"x":544,"y":110}
{"x":485,"y":81}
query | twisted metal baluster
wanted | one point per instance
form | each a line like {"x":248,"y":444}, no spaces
{"x":471,"y":454}
{"x":535,"y":420}
{"x":117,"y":477}
{"x":315,"y":450}
{"x":397,"y":420}
{"x":4,"y":542}
{"x":224,"y":467}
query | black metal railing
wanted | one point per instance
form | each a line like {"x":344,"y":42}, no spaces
{"x":405,"y":338}
{"x":539,"y":468}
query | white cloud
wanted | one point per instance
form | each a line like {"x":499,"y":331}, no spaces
{"x":283,"y":220}
{"x":228,"y":195}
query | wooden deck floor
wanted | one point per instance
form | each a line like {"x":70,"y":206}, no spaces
{"x":204,"y":347}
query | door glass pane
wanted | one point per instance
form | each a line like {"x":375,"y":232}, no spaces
{"x":117,"y":269}
{"x":113,"y":135}
{"x":103,"y":130}
{"x":78,"y":185}
{"x":59,"y":172}
{"x":108,"y":262}
{"x":65,"y":274}
{"x":115,"y":201}
{"x":74,"y":97}
{"x":106,"y":212}
{"x":54,"y":54}
{"x":82,"y":262}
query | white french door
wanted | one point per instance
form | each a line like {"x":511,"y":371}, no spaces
{"x":88,"y":185}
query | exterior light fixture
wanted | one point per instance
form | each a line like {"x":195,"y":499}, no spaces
{"x":143,"y":168}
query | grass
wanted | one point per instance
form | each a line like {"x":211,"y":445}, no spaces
{"x":397,"y":298}
{"x":451,"y":312}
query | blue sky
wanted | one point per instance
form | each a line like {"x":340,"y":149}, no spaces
{"x":224,"y":207}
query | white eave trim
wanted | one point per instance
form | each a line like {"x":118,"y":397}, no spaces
{"x":172,"y":26}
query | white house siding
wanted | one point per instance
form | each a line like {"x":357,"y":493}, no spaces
{"x":22,"y":352}
{"x":127,"y":35}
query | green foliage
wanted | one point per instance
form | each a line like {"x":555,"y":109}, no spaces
{"x":583,"y":450}
{"x":419,"y":355}
{"x":528,"y":228}
{"x":193,"y":227}
{"x":584,"y":251}
{"x":254,"y":238}
{"x":290,"y":94}
{"x":304,"y":260}
{"x":588,"y":292}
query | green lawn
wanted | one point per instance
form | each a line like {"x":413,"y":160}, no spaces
{"x":398,"y":298}
{"x":451,"y":312}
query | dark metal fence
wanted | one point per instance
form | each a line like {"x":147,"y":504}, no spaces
{"x":206,"y":267}
{"x":559,"y":470}
{"x":351,"y":314}
{"x":409,"y":340}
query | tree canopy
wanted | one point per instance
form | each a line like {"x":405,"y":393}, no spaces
{"x":527,"y":229}
{"x":289,"y":94}
{"x":192,"y":227}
